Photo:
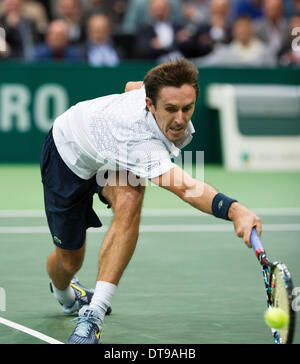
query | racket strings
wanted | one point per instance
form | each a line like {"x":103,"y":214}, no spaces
{"x":279,"y":297}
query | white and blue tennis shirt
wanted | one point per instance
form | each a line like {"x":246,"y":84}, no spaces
{"x":115,"y":132}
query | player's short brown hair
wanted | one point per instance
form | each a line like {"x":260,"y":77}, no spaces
{"x":172,"y":73}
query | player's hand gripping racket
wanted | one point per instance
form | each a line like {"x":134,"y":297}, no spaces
{"x":279,"y":289}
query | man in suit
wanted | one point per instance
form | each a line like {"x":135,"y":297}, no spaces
{"x":57,"y":46}
{"x":199,"y":41}
{"x":99,"y":48}
{"x":157,"y":40}
{"x":273,"y":27}
{"x":21,"y":34}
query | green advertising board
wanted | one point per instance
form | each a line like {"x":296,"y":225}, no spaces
{"x":31,"y":96}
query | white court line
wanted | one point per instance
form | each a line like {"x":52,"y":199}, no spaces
{"x":30,"y":332}
{"x":293,"y":211}
{"x":153,"y":228}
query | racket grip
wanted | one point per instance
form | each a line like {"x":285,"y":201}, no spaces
{"x":256,"y":243}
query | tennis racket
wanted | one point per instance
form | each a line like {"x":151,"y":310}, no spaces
{"x":279,"y":289}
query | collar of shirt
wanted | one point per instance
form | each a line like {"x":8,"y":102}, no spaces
{"x":173,"y":149}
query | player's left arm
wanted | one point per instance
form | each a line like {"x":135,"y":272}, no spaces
{"x":203,"y":197}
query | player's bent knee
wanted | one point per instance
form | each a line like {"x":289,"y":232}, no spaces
{"x":72,"y":266}
{"x":71,"y":260}
{"x":118,"y":196}
{"x":129,"y":201}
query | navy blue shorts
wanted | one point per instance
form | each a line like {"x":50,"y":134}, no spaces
{"x":68,"y":199}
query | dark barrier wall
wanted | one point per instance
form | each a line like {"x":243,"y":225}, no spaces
{"x":32,"y":95}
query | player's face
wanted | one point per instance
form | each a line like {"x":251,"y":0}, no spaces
{"x":174,"y":108}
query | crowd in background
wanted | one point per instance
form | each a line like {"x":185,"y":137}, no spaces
{"x":107,"y":32}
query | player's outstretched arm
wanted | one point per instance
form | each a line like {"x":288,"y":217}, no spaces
{"x":207,"y":199}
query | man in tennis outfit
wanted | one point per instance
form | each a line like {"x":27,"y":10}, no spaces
{"x":111,"y":145}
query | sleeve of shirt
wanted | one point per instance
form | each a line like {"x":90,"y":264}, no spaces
{"x":148,"y":159}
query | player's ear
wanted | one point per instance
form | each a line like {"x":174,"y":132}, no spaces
{"x":149,"y":104}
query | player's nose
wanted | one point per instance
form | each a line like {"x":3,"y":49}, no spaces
{"x":179,"y":118}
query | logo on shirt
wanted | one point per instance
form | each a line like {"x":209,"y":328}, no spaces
{"x":154,"y":165}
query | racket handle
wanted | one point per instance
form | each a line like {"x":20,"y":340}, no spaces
{"x":256,"y":243}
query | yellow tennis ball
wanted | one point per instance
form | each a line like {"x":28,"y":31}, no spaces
{"x":276,"y":318}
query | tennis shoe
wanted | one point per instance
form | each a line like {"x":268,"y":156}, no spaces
{"x":88,"y":329}
{"x":83,"y":296}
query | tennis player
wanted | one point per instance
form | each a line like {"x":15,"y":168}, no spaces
{"x":111,"y":145}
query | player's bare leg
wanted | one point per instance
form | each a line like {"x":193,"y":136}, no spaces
{"x":120,"y":241}
{"x":116,"y":251}
{"x":63,"y":264}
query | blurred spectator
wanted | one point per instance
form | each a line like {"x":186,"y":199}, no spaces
{"x":219,"y":20}
{"x":99,"y":49}
{"x":196,"y":12}
{"x":273,"y":27}
{"x":136,"y":16}
{"x":296,"y":7}
{"x":290,"y":55}
{"x":196,"y":42}
{"x":48,"y":7}
{"x":21,"y":33}
{"x":114,"y":9}
{"x":158,"y":39}
{"x":36,"y":12}
{"x":252,"y":8}
{"x":57,"y":46}
{"x":125,"y":30}
{"x":289,"y":8}
{"x":244,"y":50}
{"x":71,"y":12}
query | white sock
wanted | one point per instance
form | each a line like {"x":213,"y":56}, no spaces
{"x":66,"y":297}
{"x":102,"y":297}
